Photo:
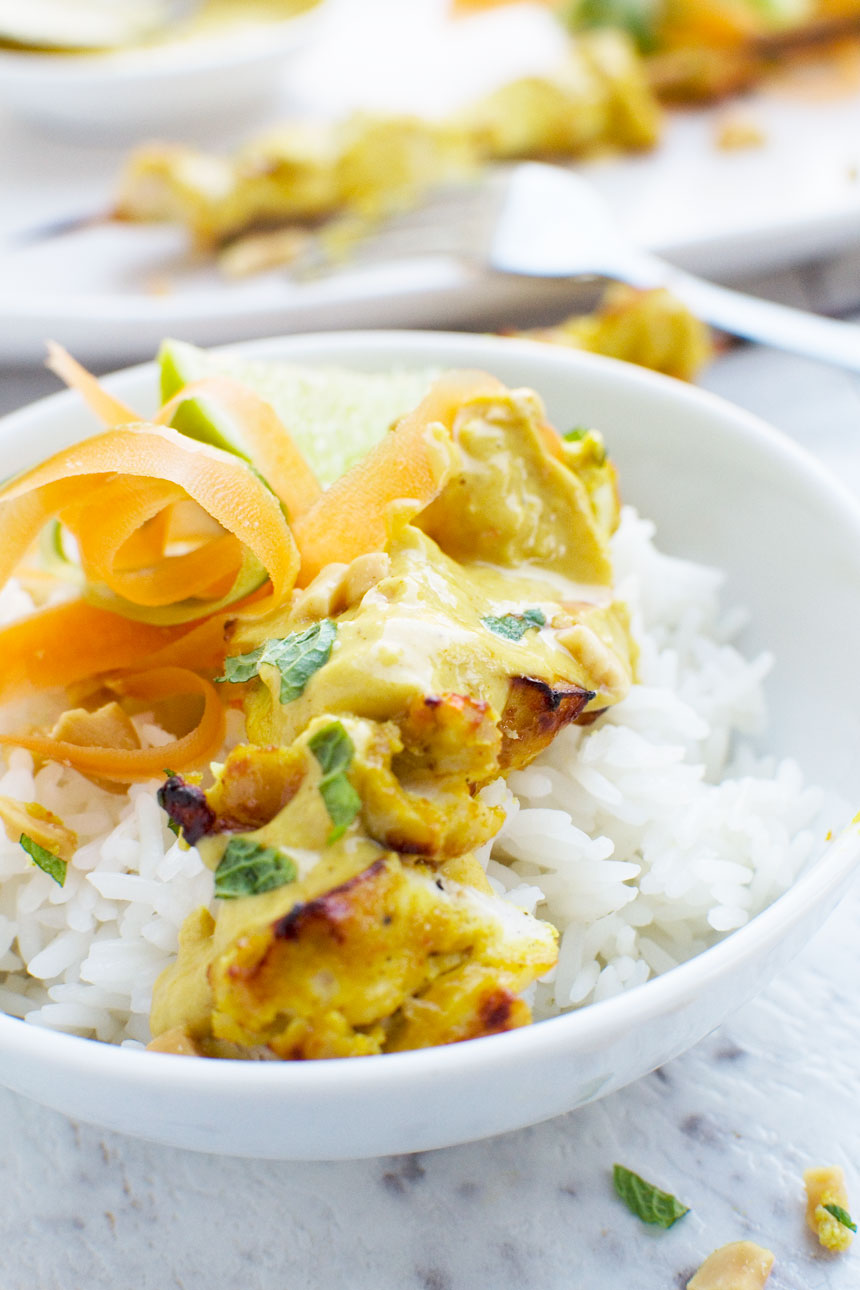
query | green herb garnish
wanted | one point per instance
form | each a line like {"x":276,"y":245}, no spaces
{"x":515,"y":626}
{"x":342,"y":803}
{"x":296,"y":657}
{"x":248,"y":869}
{"x":645,"y":1200}
{"x":577,"y":433}
{"x":46,"y":860}
{"x":334,"y":750}
{"x":842,"y":1216}
{"x":637,"y":17}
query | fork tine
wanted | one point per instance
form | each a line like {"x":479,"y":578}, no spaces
{"x":455,"y":220}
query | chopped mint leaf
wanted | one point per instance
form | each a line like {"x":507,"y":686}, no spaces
{"x":296,"y":657}
{"x":842,"y":1216}
{"x":241,"y":667}
{"x":515,"y":626}
{"x":332,"y":748}
{"x":645,"y":1200}
{"x":170,"y":774}
{"x":45,"y":860}
{"x":341,"y":801}
{"x":586,"y":447}
{"x":639,"y":18}
{"x":248,"y":869}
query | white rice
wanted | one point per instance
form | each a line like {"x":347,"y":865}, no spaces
{"x":644,"y":838}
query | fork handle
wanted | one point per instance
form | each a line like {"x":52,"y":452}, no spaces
{"x":794,"y":330}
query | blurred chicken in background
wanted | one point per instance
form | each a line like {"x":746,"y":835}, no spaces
{"x":698,"y":50}
{"x":621,"y":63}
{"x":369,"y":165}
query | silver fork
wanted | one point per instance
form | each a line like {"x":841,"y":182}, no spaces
{"x":547,"y":222}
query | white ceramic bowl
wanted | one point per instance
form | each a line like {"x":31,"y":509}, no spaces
{"x":118,"y":94}
{"x":723,"y":488}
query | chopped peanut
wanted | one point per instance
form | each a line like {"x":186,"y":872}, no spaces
{"x":177,"y":1041}
{"x":108,"y":726}
{"x":259,"y":252}
{"x":44,"y":827}
{"x":826,"y":1186}
{"x":742,"y":1265}
{"x":735,"y":132}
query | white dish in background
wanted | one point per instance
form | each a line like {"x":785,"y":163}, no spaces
{"x":161,"y":86}
{"x":724,"y":489}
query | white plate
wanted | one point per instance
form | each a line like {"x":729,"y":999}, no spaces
{"x":161,"y":86}
{"x":113,"y":292}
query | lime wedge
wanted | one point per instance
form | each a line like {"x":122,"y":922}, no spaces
{"x":335,"y":415}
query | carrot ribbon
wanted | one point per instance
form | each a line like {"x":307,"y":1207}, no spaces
{"x":71,"y":642}
{"x":110,"y":487}
{"x":270,"y":446}
{"x":129,"y":766}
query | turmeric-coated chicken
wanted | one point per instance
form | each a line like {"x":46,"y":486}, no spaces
{"x":298,"y":173}
{"x":353,"y":914}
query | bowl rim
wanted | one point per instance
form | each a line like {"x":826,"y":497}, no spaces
{"x":146,"y":64}
{"x":585,"y":1028}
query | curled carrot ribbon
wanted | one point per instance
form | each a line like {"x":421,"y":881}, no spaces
{"x":109,"y":488}
{"x":129,"y":766}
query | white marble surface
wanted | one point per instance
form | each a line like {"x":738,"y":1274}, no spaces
{"x":729,"y":1127}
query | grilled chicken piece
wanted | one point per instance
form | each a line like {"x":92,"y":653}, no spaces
{"x":449,"y":735}
{"x":651,"y":328}
{"x":252,"y":786}
{"x":598,"y":96}
{"x":273,"y":794}
{"x":337,"y":961}
{"x":175,"y":1041}
{"x":396,"y":957}
{"x":514,"y":502}
{"x":533,"y":716}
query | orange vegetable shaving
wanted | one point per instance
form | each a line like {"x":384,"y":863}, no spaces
{"x":129,"y":766}
{"x":147,"y":544}
{"x":108,"y":409}
{"x":72,"y":641}
{"x":408,"y":464}
{"x":270,"y":447}
{"x":74,"y":484}
{"x":204,"y":646}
